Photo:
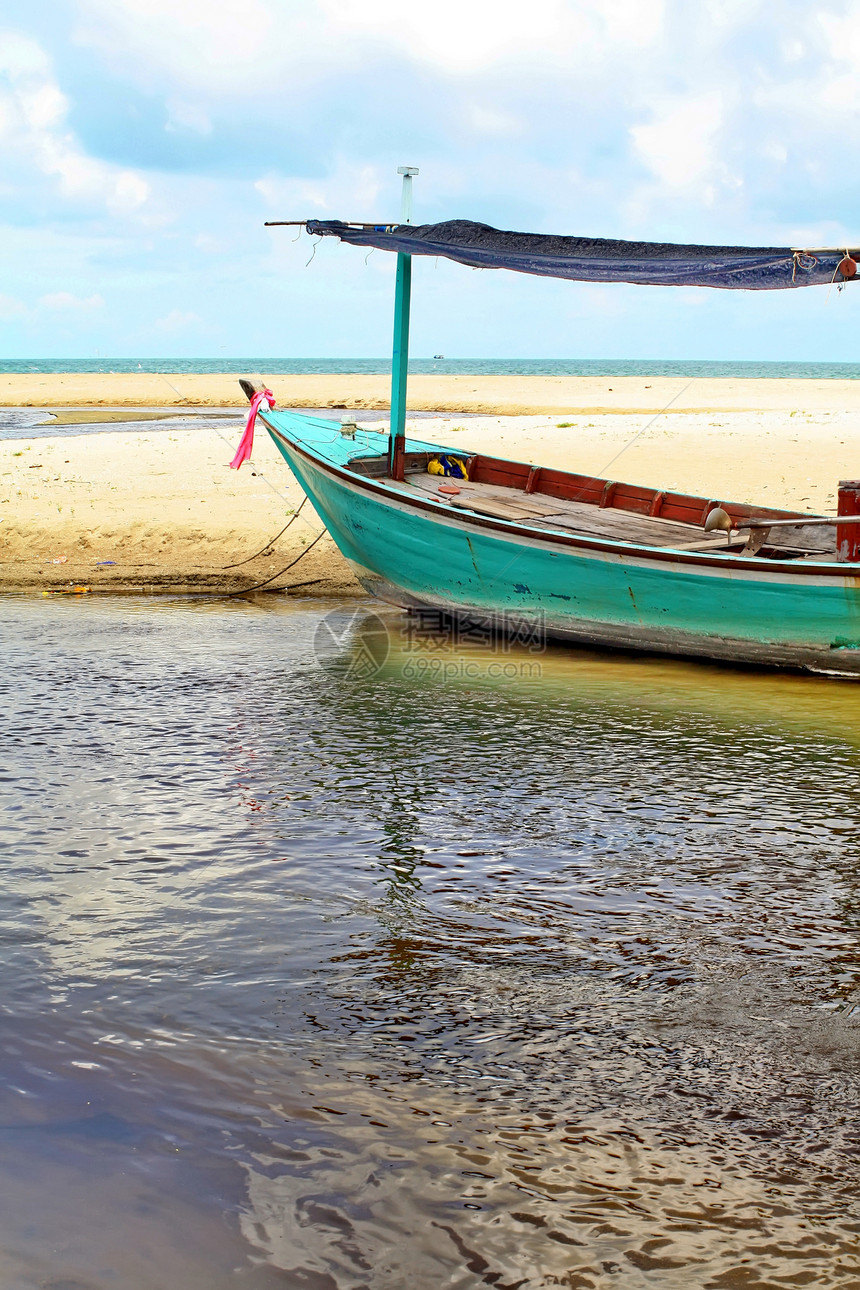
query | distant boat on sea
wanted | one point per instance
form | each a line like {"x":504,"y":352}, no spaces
{"x":535,"y":550}
{"x":438,"y":355}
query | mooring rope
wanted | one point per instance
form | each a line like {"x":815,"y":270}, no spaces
{"x":243,"y":591}
{"x":249,"y":558}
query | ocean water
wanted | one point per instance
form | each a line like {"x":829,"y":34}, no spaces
{"x":447,"y":367}
{"x":338,"y":955}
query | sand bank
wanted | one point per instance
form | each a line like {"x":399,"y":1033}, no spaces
{"x":499,"y":395}
{"x":164,"y":507}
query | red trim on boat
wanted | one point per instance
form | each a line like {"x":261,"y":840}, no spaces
{"x":729,"y":564}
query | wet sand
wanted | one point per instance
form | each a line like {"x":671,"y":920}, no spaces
{"x":162,"y":505}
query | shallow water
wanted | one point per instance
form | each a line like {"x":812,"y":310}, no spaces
{"x":39,"y":423}
{"x":448,"y":968}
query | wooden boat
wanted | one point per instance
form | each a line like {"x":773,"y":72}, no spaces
{"x":538,"y":551}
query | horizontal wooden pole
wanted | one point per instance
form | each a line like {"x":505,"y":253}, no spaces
{"x":794,"y":524}
{"x":350,"y":223}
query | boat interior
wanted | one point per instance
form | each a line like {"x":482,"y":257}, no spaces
{"x":545,"y":499}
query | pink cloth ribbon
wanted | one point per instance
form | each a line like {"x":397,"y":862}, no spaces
{"x":246,"y":444}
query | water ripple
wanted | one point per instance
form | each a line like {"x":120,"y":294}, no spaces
{"x":319,"y":982}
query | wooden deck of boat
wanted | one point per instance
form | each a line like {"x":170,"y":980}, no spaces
{"x":537,"y":510}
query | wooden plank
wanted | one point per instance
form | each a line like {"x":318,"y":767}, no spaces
{"x":499,"y":510}
{"x":532,"y":506}
{"x":591,"y":490}
{"x":525,"y":503}
{"x":586,"y":518}
{"x":587,"y":515}
{"x":707,"y":544}
{"x":621,"y":526}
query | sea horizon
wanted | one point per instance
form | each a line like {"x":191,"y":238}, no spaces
{"x":440,"y":366}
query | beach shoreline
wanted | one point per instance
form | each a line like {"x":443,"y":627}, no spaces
{"x":478,"y":395}
{"x":153,"y":507}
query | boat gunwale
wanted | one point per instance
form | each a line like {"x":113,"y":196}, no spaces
{"x":726,"y":562}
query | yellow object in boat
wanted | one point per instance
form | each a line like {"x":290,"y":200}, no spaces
{"x":445,"y":464}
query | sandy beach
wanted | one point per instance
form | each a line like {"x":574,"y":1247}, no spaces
{"x":486,"y":395}
{"x":162,"y":507}
{"x":158,"y":509}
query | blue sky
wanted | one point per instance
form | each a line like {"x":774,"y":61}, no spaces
{"x":146,"y":141}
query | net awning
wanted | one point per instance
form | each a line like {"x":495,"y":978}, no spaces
{"x":591,"y":259}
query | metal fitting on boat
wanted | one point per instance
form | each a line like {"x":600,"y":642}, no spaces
{"x":348,"y":427}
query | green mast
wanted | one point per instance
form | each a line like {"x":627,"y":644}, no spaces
{"x":400,"y":351}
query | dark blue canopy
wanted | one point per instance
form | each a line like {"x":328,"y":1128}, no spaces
{"x":591,"y":259}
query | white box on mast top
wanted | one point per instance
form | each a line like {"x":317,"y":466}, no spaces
{"x":406,"y":195}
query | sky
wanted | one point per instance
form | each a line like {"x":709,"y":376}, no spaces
{"x":145,"y":142}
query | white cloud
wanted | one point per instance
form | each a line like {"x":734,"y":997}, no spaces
{"x":632,"y":22}
{"x":348,"y":187}
{"x":64,"y":300}
{"x":458,"y":35}
{"x":239,"y":46}
{"x":33,"y":111}
{"x":729,"y":15}
{"x":776,"y":151}
{"x":680,"y":146}
{"x":195,"y":41}
{"x":129,"y":191}
{"x":466,"y":36}
{"x":840,"y":31}
{"x":44,"y":107}
{"x":187,"y":116}
{"x":793,"y":48}
{"x":210,"y":245}
{"x":11,"y":308}
{"x":499,"y":125}
{"x":177,"y":321}
{"x":21,"y":57}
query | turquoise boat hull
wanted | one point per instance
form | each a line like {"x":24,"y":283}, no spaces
{"x":415,"y":552}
